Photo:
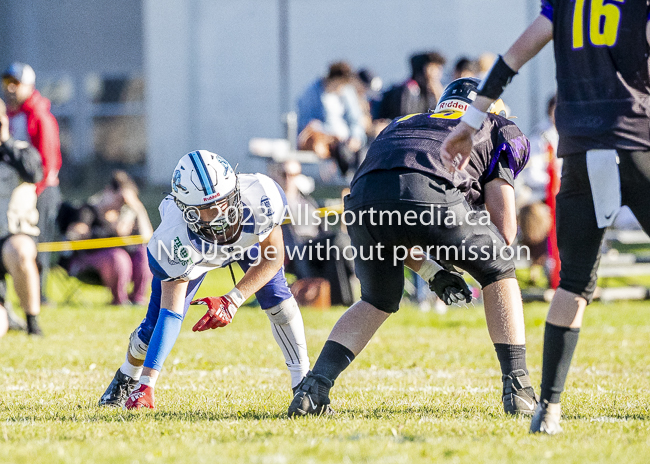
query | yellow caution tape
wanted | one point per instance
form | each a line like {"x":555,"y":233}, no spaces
{"x":323,"y":212}
{"x":92,"y":244}
{"x":97,"y":243}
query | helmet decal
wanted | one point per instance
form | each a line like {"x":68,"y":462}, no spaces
{"x":225,"y":164}
{"x":202,"y":171}
{"x":176,"y":182}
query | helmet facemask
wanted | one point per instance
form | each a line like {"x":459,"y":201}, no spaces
{"x":225,"y":227}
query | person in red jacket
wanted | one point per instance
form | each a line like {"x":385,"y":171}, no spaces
{"x":30,"y":119}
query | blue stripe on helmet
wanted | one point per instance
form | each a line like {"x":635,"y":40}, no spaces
{"x":202,"y":171}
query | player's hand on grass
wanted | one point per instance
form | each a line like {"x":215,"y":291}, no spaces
{"x":450,"y":287}
{"x":220,"y":313}
{"x":457,"y":147}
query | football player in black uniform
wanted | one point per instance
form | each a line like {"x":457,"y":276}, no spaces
{"x":603,"y":119}
{"x":403,"y":177}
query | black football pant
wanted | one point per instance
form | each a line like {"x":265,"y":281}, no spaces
{"x":579,"y":238}
{"x":380,"y":244}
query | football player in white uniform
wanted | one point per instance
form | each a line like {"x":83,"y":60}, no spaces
{"x":212,"y":218}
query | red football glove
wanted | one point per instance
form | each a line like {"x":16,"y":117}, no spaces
{"x":220,"y":313}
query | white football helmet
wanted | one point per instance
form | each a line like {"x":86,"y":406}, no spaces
{"x":205,"y":181}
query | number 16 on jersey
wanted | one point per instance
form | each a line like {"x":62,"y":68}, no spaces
{"x":604,"y":19}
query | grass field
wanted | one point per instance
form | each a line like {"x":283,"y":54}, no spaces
{"x":426,"y":388}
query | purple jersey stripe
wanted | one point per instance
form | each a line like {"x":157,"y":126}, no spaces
{"x":547,"y":10}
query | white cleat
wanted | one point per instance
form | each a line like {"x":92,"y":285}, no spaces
{"x":546,"y":418}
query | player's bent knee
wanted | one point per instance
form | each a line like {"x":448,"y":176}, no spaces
{"x":501,"y":271}
{"x":137,"y":348}
{"x":579,"y":288}
{"x":384,"y":305}
{"x":284,"y":312}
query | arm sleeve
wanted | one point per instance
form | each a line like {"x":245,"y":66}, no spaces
{"x":24,"y":158}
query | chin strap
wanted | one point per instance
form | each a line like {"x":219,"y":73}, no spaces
{"x":232,"y":274}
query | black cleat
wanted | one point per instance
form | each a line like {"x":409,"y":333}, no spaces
{"x":32,"y":326}
{"x":518,"y":394}
{"x":311,"y":397}
{"x":118,"y":391}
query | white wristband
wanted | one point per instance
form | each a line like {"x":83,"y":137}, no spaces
{"x":236,"y":297}
{"x":429,"y":269}
{"x":474,"y":118}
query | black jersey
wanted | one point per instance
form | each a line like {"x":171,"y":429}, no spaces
{"x":413,"y":143}
{"x":602,"y":69}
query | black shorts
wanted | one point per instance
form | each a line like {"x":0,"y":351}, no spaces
{"x":380,"y":245}
{"x":578,"y":236}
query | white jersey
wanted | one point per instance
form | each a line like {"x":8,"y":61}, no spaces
{"x":176,"y":253}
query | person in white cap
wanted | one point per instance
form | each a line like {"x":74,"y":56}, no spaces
{"x":31,"y":120}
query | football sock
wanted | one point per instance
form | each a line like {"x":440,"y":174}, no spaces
{"x":559,"y":345}
{"x":129,"y":369}
{"x":163,"y":338}
{"x":333,"y":360}
{"x":290,"y":337}
{"x":511,"y":357}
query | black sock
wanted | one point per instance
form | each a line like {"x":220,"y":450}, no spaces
{"x":333,"y":360}
{"x":559,"y":345}
{"x":511,"y":357}
{"x":32,"y":325}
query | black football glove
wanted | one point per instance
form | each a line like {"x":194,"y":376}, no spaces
{"x":450,"y":287}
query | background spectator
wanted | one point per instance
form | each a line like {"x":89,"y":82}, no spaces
{"x":420,"y":93}
{"x":533,"y":181}
{"x":115,"y":211}
{"x":330,"y":118}
{"x":20,"y":168}
{"x":465,"y":67}
{"x":31,"y":120}
{"x":536,"y":188}
{"x":305,"y":236}
{"x":485,"y":62}
{"x":369,"y":89}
